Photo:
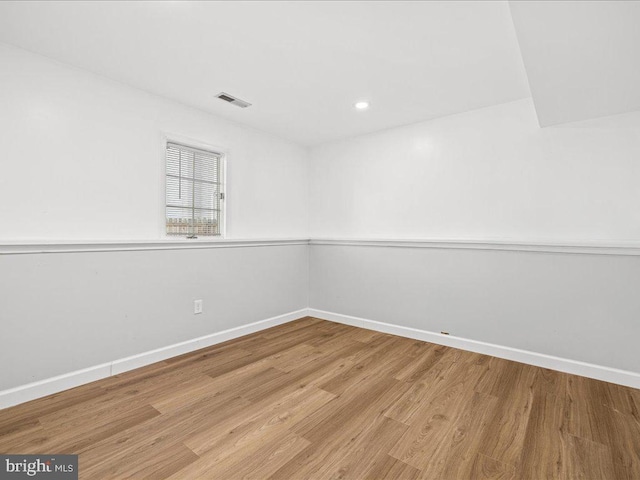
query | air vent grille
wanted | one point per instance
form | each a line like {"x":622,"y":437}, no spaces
{"x":233,"y":100}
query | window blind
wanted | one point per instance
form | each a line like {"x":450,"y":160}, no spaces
{"x":193,"y":191}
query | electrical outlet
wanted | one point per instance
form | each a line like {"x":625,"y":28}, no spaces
{"x":197,"y":306}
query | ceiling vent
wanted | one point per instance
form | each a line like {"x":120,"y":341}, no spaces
{"x":233,"y":100}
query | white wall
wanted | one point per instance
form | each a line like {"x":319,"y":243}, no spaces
{"x":82,"y":159}
{"x":490,"y":173}
{"x":487,"y":174}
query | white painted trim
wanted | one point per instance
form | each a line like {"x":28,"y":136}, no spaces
{"x":49,"y":386}
{"x":166,"y":137}
{"x":34,"y":247}
{"x":42,"y":388}
{"x":137,"y":245}
{"x":596,"y":248}
{"x":152,"y":356}
{"x":575,"y":367}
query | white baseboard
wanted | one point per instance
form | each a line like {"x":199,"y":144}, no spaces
{"x":42,"y":388}
{"x":598,"y":372}
{"x":48,"y":386}
{"x":152,"y":356}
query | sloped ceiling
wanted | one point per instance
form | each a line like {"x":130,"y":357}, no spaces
{"x":582,"y":57}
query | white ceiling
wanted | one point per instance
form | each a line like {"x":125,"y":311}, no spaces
{"x":304,"y":64}
{"x":582,"y":57}
{"x":301,"y":64}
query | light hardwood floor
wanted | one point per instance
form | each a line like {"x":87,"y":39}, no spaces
{"x":318,"y":400}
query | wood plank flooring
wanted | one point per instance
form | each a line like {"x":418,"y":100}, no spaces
{"x":318,"y":400}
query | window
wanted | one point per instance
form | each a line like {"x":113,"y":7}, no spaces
{"x":194,"y":191}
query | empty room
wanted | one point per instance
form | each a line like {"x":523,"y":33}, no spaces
{"x":320,"y":240}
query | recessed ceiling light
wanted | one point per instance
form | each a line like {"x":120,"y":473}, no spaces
{"x":362,"y":105}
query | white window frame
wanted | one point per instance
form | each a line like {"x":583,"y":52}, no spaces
{"x":166,"y":138}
